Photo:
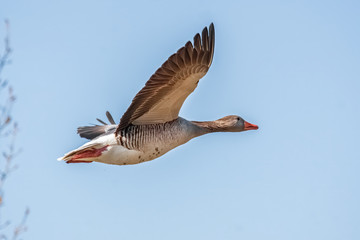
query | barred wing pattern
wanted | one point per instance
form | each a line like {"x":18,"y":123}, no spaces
{"x":164,"y":93}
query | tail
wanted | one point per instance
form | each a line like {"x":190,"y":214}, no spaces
{"x":90,"y":151}
{"x":84,"y":154}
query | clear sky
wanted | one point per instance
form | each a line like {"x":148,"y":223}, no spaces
{"x":292,"y":67}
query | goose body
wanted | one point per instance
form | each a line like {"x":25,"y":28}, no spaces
{"x":151,"y":125}
{"x":142,"y":143}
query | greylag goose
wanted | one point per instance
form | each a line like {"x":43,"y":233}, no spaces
{"x":150,"y":127}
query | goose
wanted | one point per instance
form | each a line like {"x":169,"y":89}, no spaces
{"x":150,"y":127}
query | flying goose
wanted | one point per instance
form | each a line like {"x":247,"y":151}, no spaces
{"x":150,"y":127}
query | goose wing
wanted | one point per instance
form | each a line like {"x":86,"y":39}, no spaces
{"x":164,"y":93}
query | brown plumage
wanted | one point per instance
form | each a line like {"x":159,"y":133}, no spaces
{"x":164,"y":93}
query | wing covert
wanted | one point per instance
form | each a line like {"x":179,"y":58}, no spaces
{"x":164,"y":93}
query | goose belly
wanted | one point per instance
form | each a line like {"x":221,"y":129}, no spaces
{"x":121,"y":155}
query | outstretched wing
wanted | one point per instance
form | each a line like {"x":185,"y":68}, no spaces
{"x":164,"y":93}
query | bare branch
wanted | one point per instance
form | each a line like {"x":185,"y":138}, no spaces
{"x":8,"y":132}
{"x":7,"y":50}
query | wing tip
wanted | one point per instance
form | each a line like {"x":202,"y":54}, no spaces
{"x":211,"y":26}
{"x":109,"y":117}
{"x":211,"y":41}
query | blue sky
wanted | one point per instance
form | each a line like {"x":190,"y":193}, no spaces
{"x":292,"y":67}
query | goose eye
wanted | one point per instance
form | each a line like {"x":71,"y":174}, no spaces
{"x":238,"y":118}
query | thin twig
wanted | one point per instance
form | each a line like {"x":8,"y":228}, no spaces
{"x":8,"y":132}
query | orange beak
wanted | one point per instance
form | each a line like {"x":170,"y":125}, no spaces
{"x":249,"y":126}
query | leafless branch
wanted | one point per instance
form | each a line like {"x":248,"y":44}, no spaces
{"x":8,"y":151}
{"x":7,"y":49}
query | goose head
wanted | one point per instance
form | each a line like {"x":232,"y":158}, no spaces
{"x":234,"y":123}
{"x":230,"y":123}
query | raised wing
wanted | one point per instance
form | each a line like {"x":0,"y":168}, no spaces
{"x":164,"y":93}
